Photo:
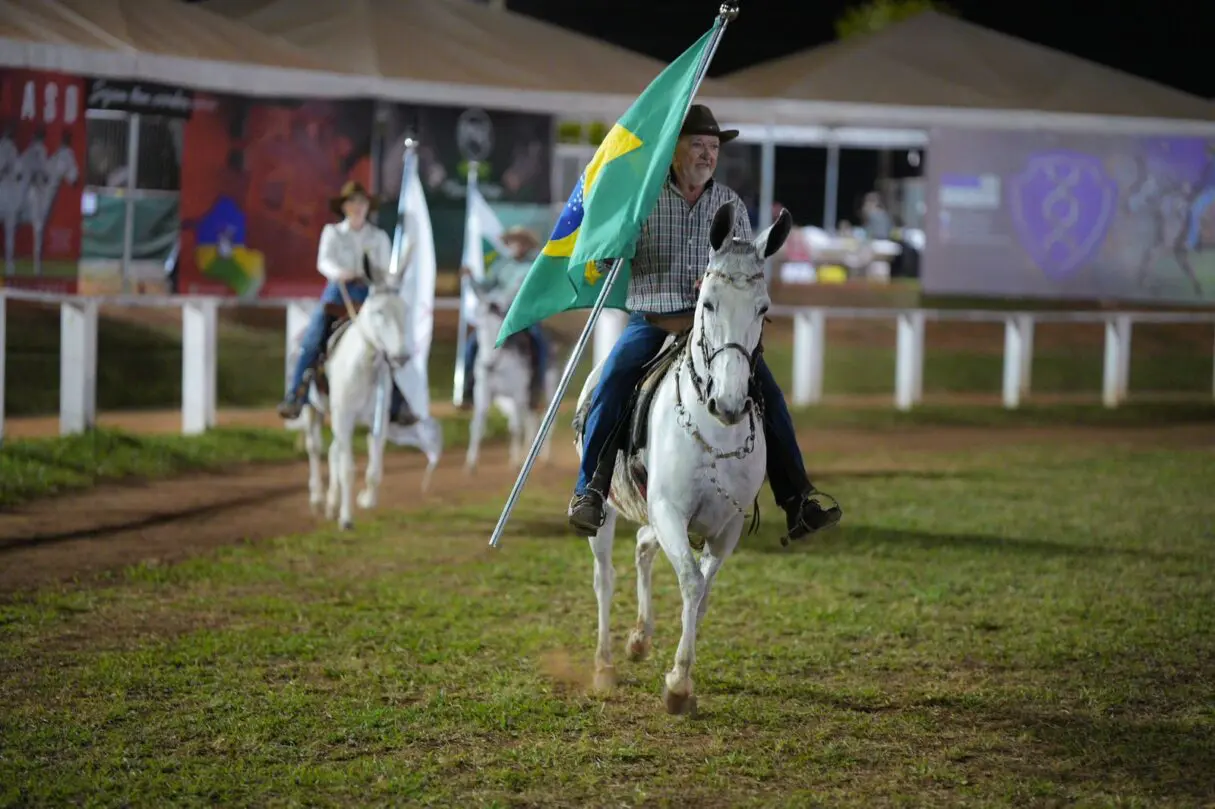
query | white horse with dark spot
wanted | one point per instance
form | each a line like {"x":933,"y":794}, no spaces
{"x":358,"y":352}
{"x":502,"y":377}
{"x":703,"y":456}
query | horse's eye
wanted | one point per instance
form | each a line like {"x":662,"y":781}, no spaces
{"x":763,"y":310}
{"x":709,"y":307}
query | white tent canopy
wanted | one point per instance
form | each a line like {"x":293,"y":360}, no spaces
{"x":450,"y":42}
{"x":157,"y":41}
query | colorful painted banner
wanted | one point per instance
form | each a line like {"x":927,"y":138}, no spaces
{"x":1035,"y":214}
{"x":42,"y":142}
{"x":257,"y":176}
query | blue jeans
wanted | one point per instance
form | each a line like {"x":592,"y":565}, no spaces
{"x":318,"y":330}
{"x":622,"y":372}
{"x":539,"y":361}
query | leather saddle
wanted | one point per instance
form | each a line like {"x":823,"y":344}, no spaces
{"x":635,"y":419}
{"x":341,"y":324}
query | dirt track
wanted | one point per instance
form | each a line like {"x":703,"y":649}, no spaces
{"x":115,"y":525}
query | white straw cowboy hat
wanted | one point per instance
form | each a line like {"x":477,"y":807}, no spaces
{"x":522,"y":235}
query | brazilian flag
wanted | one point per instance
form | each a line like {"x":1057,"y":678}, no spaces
{"x":613,"y":198}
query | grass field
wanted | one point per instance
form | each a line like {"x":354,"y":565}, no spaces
{"x":992,"y":626}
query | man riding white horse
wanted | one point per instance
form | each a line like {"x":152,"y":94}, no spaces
{"x":671,"y":256}
{"x":502,"y":281}
{"x":349,"y":253}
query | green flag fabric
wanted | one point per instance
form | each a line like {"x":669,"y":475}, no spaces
{"x":613,"y":198}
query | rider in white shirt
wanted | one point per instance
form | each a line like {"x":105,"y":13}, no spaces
{"x":351,"y":252}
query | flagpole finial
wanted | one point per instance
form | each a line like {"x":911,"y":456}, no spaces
{"x":729,"y":10}
{"x":410,"y":143}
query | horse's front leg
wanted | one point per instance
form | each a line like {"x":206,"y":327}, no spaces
{"x":638,"y":645}
{"x":37,"y":250}
{"x":672,"y":529}
{"x":314,"y":442}
{"x":10,"y":244}
{"x":369,"y":497}
{"x":605,"y":581}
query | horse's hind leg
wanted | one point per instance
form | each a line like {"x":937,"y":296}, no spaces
{"x":605,"y":580}
{"x":476,"y":426}
{"x":717,"y":551}
{"x":638,"y":645}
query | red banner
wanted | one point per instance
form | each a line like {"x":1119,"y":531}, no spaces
{"x":42,"y":153}
{"x":257,"y":175}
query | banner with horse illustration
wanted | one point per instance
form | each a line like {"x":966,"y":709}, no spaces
{"x":42,"y":141}
{"x":257,"y":176}
{"x":1039,"y":214}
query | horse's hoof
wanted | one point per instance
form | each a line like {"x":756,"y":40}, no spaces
{"x":637,"y":647}
{"x":679,"y":704}
{"x":331,"y":511}
{"x":367,"y":499}
{"x":605,"y":680}
{"x":346,"y":525}
{"x":317,"y":507}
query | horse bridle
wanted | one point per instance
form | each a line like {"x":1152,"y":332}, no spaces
{"x":704,"y":386}
{"x":377,"y":345}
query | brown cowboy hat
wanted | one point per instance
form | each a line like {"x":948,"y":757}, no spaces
{"x":350,"y":189}
{"x":524,"y":236}
{"x":700,"y":121}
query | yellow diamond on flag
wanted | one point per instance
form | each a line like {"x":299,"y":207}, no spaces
{"x":618,"y":142}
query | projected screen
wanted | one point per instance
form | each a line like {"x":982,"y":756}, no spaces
{"x":1034,"y":214}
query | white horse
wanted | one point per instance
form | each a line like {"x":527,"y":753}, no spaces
{"x":502,"y":377}
{"x":358,"y":352}
{"x":704,"y":458}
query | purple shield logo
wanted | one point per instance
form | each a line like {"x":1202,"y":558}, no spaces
{"x":1063,"y":203}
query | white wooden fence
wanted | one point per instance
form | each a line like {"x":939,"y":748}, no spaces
{"x":78,"y":347}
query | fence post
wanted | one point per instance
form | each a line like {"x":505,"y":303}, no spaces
{"x":608,"y":329}
{"x":298,"y":314}
{"x":909,"y":360}
{"x":809,"y":345}
{"x":3,"y":351}
{"x":1117,"y":359}
{"x":77,"y":365}
{"x":1018,"y":358}
{"x":198,"y":365}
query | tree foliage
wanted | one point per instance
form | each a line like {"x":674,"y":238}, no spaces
{"x":875,"y":15}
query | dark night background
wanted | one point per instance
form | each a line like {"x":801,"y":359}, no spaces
{"x":1169,"y":43}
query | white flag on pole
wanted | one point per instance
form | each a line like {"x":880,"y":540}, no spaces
{"x":418,"y":290}
{"x":482,"y":231}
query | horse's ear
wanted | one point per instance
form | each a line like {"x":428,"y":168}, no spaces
{"x":722,"y":227}
{"x":768,"y":242}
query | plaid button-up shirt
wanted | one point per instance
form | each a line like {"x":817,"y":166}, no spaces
{"x":673,"y":248}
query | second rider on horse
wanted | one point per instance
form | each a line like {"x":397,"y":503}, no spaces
{"x":502,"y":281}
{"x":352,"y":253}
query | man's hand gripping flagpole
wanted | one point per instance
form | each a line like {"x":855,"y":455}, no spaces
{"x":727,"y":12}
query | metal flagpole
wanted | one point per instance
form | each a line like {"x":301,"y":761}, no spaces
{"x":383,"y":391}
{"x":457,"y":395}
{"x":725,"y":13}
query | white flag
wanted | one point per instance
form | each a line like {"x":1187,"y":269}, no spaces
{"x":482,"y":229}
{"x":418,"y":290}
